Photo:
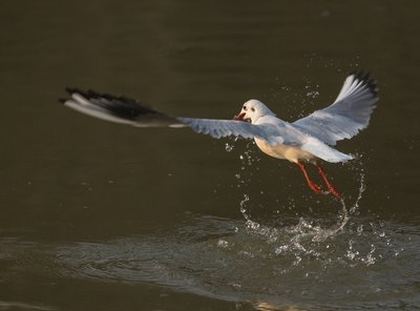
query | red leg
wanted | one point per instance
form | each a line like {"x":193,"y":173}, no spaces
{"x":329,"y":185}
{"x":311,"y":184}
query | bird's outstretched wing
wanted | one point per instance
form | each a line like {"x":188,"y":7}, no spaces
{"x":128,"y":111}
{"x":349,"y":113}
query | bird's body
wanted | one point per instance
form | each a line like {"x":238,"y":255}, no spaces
{"x":306,"y":140}
{"x":284,"y":152}
{"x":290,"y":143}
{"x":278,"y":149}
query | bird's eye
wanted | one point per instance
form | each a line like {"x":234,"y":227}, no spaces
{"x":244,"y":108}
{"x":253,"y":109}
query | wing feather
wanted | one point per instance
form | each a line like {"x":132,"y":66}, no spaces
{"x":225,"y":128}
{"x":350,"y":112}
{"x":128,"y":111}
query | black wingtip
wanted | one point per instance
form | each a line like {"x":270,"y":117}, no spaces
{"x":119,"y":106}
{"x":367,"y":79}
{"x":72,"y":90}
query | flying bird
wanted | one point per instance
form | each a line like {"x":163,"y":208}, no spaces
{"x":307,"y":140}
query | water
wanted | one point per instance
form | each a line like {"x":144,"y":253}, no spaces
{"x":100,"y":216}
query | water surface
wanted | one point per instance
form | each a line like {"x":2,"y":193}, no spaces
{"x":100,"y":216}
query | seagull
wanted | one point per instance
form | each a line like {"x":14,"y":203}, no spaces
{"x":305,"y":141}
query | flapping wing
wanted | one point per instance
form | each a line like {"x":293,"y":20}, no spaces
{"x":128,"y":111}
{"x":225,"y":128}
{"x":349,"y":113}
{"x":117,"y":109}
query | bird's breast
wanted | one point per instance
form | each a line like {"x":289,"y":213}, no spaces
{"x":281,"y":151}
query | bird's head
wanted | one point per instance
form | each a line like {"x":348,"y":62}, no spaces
{"x":252,"y":110}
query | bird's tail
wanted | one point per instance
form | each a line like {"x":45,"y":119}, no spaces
{"x":325,"y":152}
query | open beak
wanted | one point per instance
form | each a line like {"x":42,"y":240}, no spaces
{"x":239,"y":117}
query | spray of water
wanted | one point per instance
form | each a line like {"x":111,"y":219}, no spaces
{"x":306,"y":237}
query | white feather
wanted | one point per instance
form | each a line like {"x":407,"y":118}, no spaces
{"x":349,"y":113}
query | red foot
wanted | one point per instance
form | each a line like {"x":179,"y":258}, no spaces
{"x":331,"y":188}
{"x":312,"y":185}
{"x":334,"y":192}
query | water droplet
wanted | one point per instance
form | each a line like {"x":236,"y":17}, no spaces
{"x":222,"y":243}
{"x":229,"y":147}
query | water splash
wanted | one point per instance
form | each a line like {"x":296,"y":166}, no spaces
{"x":236,"y":261}
{"x":242,"y":208}
{"x":248,"y":158}
{"x":309,"y":237}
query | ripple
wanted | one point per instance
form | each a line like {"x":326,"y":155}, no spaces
{"x":236,"y":261}
{"x":15,"y":305}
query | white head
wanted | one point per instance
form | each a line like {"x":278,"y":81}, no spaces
{"x":252,"y":110}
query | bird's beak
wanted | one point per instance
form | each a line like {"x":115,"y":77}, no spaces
{"x":240,"y":117}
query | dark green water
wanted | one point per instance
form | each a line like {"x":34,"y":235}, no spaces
{"x":98,"y":216}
